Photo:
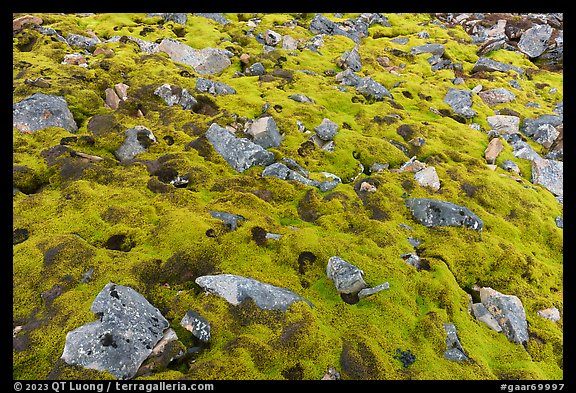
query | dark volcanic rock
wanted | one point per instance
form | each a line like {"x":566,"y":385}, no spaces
{"x":461,"y":102}
{"x":40,"y":111}
{"x":432,"y":212}
{"x":234,"y":289}
{"x":128,"y":328}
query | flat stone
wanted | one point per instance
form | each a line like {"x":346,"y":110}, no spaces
{"x":454,"y":350}
{"x":497,"y":96}
{"x":301,"y":98}
{"x":552,"y":314}
{"x":489,"y":65}
{"x":504,"y":124}
{"x":120,"y":341}
{"x":371,"y":291}
{"x":80,"y":41}
{"x":239,"y":153}
{"x":234,"y":289}
{"x":435,"y":49}
{"x":433,"y":212}
{"x":176,"y":17}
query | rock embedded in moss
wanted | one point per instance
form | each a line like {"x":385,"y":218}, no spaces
{"x":197,"y":325}
{"x":229,"y":219}
{"x":496,"y":96}
{"x":41,"y":111}
{"x":508,"y":312}
{"x":460,"y":101}
{"x":213,"y":87}
{"x":235,"y":289}
{"x":173,"y":95}
{"x":433,"y":212}
{"x":203,"y":61}
{"x":239,"y":153}
{"x":490,"y":65}
{"x":136,"y":141}
{"x":128,"y":328}
{"x":455,"y":352}
{"x":549,"y":174}
{"x":265,"y":133}
{"x":346,"y":277}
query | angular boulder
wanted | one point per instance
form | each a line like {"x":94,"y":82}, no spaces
{"x":234,"y":289}
{"x":265,"y":132}
{"x":173,"y":95}
{"x":496,"y":96}
{"x":504,"y":124}
{"x":534,"y":41}
{"x":351,"y":60}
{"x":41,"y":111}
{"x":120,"y":341}
{"x":346,"y":277}
{"x":327,"y":130}
{"x":454,"y":350}
{"x":460,"y":101}
{"x":481,"y":314}
{"x":433,"y":212}
{"x":239,"y":153}
{"x":428,"y":177}
{"x":197,"y":325}
{"x":493,"y":149}
{"x":508,"y":312}
{"x":213,"y":87}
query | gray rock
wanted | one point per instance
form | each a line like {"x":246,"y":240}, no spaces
{"x":489,"y":65}
{"x":413,"y":259}
{"x":231,"y":220}
{"x":552,"y":314}
{"x":213,"y":87}
{"x":283,"y":172}
{"x":372,"y":89}
{"x":255,"y":69}
{"x":289,"y":43}
{"x":549,"y":174}
{"x":435,"y":49}
{"x":295,"y":166}
{"x":423,"y":34}
{"x":545,"y":135}
{"x":504,"y":124}
{"x":145,"y":46}
{"x":496,"y":96}
{"x":454,"y":349}
{"x":508,"y":312}
{"x":351,"y":60}
{"x":215,"y":16}
{"x":400,"y":40}
{"x":196,"y":324}
{"x":203,"y":61}
{"x":534,"y":41}
{"x":514,"y":83}
{"x":180,"y":18}
{"x":239,"y":153}
{"x":481,"y":313}
{"x":41,"y":111}
{"x":327,"y":130}
{"x":136,"y":141}
{"x":272,"y":38}
{"x":371,"y":291}
{"x":80,"y":41}
{"x":428,"y":177}
{"x":51,"y":32}
{"x":432,"y":212}
{"x":460,"y":101}
{"x":346,"y":277}
{"x":530,"y":127}
{"x":123,"y":337}
{"x":265,"y":132}
{"x":173,"y":95}
{"x":301,"y":98}
{"x":523,"y":150}
{"x":559,"y":222}
{"x":322,"y":25}
{"x":348,"y":78}
{"x":510,"y":166}
{"x":234,"y":289}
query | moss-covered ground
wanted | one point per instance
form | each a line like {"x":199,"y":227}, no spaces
{"x":78,"y":206}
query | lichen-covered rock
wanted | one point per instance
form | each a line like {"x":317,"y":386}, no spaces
{"x":454,"y":349}
{"x":504,"y":124}
{"x":508,"y":312}
{"x":434,"y":49}
{"x":534,"y":41}
{"x":461,"y":102}
{"x":229,"y":219}
{"x":327,"y":130}
{"x":351,"y":59}
{"x":196,"y":324}
{"x":128,"y":328}
{"x":481,"y":313}
{"x":433,"y":212}
{"x":240,"y":153}
{"x":80,"y":41}
{"x":428,"y":177}
{"x":235,"y":289}
{"x":549,"y":174}
{"x":174,"y":95}
{"x":496,"y":96}
{"x":215,"y":16}
{"x":41,"y":111}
